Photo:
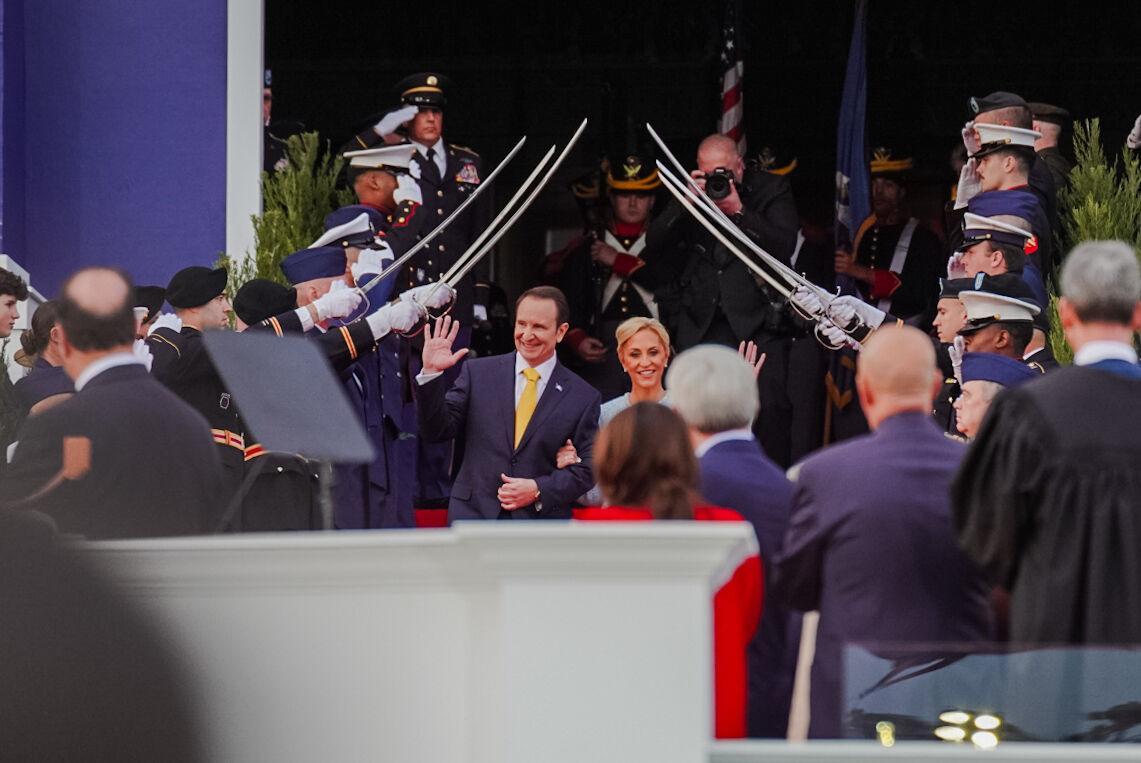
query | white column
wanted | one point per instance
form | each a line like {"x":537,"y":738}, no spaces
{"x":244,"y":129}
{"x":487,"y":642}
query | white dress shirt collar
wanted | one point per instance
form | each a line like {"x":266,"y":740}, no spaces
{"x":441,"y":155}
{"x":545,"y":369}
{"x":105,"y":363}
{"x":729,"y":435}
{"x":1095,"y":352}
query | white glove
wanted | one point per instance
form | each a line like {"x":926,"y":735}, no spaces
{"x":370,"y":263}
{"x":429,"y":296}
{"x":407,"y":189}
{"x":971,"y":139}
{"x":395,"y":316}
{"x":143,"y":353}
{"x":843,"y":309}
{"x":955,"y":267}
{"x":955,"y":350}
{"x":338,"y":302}
{"x":835,"y":336}
{"x":166,"y":321}
{"x":1133,"y":140}
{"x":969,"y":184}
{"x":391,"y":121}
{"x":807,"y":299}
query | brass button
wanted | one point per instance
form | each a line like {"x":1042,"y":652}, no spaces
{"x":440,"y":212}
{"x":441,"y":247}
{"x":440,"y":194}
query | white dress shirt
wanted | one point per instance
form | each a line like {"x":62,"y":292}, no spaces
{"x":729,"y":435}
{"x":1095,"y":352}
{"x":440,"y":157}
{"x":104,"y":363}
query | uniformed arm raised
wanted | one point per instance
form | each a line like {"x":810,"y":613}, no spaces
{"x":564,"y":486}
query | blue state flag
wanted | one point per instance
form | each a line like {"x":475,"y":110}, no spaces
{"x":853,"y":180}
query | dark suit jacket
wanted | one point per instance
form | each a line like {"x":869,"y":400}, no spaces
{"x":871,"y":545}
{"x":154,"y":466}
{"x":737,"y":475}
{"x":481,"y":406}
{"x":701,"y":277}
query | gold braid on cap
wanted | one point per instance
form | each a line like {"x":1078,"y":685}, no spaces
{"x":882,"y":162}
{"x":630,"y":180}
{"x":768,"y":161}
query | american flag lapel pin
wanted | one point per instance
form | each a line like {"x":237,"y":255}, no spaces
{"x":558,"y":386}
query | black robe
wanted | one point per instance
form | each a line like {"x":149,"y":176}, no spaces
{"x":1048,"y":503}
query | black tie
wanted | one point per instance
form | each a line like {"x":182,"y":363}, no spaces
{"x":429,"y":170}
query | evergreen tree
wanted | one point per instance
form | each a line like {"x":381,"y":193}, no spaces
{"x":1099,"y":202}
{"x":295,"y":201}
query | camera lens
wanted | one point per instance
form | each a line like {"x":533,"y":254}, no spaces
{"x":717,"y":184}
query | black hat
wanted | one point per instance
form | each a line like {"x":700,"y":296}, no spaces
{"x":150,"y":297}
{"x":1000,"y":99}
{"x":1045,"y":112}
{"x":949,"y":288}
{"x":1004,"y":298}
{"x":767,"y":160}
{"x":262,"y":298}
{"x":631,"y":173}
{"x":424,"y":89}
{"x":883,"y":164}
{"x":195,"y":286}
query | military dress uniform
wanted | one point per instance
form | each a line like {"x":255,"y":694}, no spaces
{"x":182,"y":364}
{"x":600,"y":296}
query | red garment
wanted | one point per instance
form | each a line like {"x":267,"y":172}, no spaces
{"x":737,"y":607}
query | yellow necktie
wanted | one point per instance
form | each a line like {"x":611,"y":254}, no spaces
{"x":527,"y":402}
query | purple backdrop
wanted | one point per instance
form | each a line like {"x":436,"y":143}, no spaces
{"x":114,"y":142}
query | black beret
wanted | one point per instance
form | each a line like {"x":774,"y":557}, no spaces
{"x":1000,"y":99}
{"x":424,"y":89}
{"x":195,"y":286}
{"x":150,"y":297}
{"x":262,"y":298}
{"x":1045,"y":112}
{"x":949,"y":288}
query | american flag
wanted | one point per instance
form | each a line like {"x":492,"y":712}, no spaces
{"x":732,"y":72}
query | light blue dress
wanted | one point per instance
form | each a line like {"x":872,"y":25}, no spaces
{"x":606,"y":413}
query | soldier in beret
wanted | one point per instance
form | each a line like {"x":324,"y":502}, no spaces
{"x":198,"y":296}
{"x":1051,"y":121}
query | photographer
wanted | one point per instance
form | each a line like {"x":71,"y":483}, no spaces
{"x":707,"y":296}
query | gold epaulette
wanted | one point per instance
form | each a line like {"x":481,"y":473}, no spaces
{"x":463,"y":148}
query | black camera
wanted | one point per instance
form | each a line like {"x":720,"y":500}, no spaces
{"x":718,"y":183}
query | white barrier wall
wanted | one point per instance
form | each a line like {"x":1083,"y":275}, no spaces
{"x":485,"y":642}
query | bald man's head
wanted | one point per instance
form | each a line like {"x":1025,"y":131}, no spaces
{"x":719,"y":151}
{"x":95,"y":310}
{"x":896,"y":372}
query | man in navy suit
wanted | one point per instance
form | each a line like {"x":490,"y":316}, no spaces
{"x":513,"y":413}
{"x":715,"y":391}
{"x":870,"y":543}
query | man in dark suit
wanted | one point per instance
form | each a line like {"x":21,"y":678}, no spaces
{"x":870,"y":543}
{"x":708,"y":296}
{"x":514,"y":412}
{"x":715,"y":391}
{"x":124,"y":457}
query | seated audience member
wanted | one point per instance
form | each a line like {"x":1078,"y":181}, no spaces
{"x":715,"y":392}
{"x":985,"y":374}
{"x":660,"y":482}
{"x":47,"y":384}
{"x":870,"y":543}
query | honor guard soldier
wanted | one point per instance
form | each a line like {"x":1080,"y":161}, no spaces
{"x":606,"y":275}
{"x":950,"y":315}
{"x":985,"y":374}
{"x":1000,"y":316}
{"x":1051,"y":122}
{"x":386,"y":190}
{"x":198,"y":296}
{"x":896,"y":261}
{"x":448,"y":174}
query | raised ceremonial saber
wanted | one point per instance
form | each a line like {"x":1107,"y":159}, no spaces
{"x":675,"y":187}
{"x":699,"y":196}
{"x":461,"y":268}
{"x":398,"y":263}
